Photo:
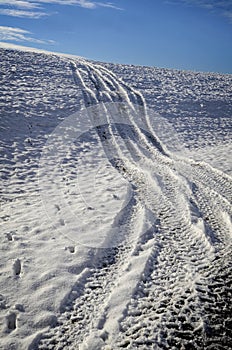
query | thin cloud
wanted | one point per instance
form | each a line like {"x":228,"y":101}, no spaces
{"x":210,"y":4}
{"x":20,"y":4}
{"x":25,"y":8}
{"x":81,"y":3}
{"x":110,"y":5}
{"x":228,"y":14}
{"x":20,"y":35}
{"x":223,"y":7}
{"x":22,"y":13}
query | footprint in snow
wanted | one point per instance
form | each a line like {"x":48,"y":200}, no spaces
{"x":71,"y":249}
{"x":57,"y":207}
{"x":9,"y":236}
{"x":116,"y":197}
{"x":17,"y":267}
{"x":62,"y":222}
{"x":11,"y":322}
{"x":2,"y":302}
{"x":19,"y":307}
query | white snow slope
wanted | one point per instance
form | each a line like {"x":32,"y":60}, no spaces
{"x":115,"y":206}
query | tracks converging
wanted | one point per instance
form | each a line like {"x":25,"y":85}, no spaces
{"x":166,"y":283}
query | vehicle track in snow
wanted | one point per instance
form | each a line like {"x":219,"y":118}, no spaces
{"x":178,"y":268}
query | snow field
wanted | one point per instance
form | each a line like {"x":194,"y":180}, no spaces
{"x":116,"y":229}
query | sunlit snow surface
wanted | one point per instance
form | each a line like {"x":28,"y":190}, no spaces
{"x":115,"y":206}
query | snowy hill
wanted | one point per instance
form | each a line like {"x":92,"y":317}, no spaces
{"x":115,"y":206}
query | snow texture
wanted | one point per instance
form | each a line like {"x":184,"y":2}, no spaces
{"x":115,"y":206}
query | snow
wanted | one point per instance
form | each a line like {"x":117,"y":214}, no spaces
{"x":115,"y":205}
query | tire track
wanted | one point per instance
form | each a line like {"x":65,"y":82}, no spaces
{"x":180,"y":255}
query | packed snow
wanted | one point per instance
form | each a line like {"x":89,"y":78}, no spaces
{"x":115,"y":205}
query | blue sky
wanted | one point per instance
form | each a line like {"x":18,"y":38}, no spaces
{"x":181,"y":34}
